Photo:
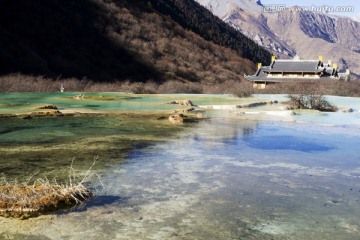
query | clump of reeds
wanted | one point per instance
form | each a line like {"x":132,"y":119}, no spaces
{"x":24,"y":200}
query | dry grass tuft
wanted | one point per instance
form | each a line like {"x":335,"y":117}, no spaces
{"x":25,"y":200}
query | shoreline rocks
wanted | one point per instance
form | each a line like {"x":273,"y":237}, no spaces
{"x":186,"y":102}
{"x":256,"y":104}
{"x":348,"y":110}
{"x":181,"y":118}
{"x":186,"y":110}
{"x":49,"y":107}
{"x":177,"y":118}
{"x":79,"y":97}
{"x":47,"y":113}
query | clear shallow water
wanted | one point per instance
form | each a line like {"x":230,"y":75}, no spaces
{"x":225,"y":178}
{"x":119,"y":102}
{"x":46,"y":144}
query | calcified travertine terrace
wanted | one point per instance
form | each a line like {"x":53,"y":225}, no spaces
{"x":243,"y":173}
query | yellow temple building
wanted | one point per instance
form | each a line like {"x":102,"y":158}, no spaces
{"x":295,"y":70}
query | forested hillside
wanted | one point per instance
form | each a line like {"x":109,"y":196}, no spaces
{"x":108,"y":41}
{"x":191,"y":15}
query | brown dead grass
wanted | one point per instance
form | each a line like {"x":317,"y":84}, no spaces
{"x":24,"y":200}
{"x":241,"y":88}
{"x":334,"y":88}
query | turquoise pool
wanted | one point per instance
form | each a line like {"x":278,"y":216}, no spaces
{"x":243,"y":174}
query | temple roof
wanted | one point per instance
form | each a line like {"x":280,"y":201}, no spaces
{"x":302,"y":69}
{"x":295,"y":66}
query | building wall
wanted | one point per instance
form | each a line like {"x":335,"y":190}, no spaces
{"x":259,"y":85}
{"x":293,"y":75}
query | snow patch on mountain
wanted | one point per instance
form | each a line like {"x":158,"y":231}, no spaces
{"x":356,"y":18}
{"x":222,"y":8}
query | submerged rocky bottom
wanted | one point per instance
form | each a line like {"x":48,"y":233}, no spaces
{"x":219,"y":179}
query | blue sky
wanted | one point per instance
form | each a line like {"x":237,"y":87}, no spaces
{"x":332,"y":3}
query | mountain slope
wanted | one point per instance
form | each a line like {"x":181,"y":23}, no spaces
{"x":313,"y":34}
{"x":63,"y":38}
{"x":223,"y":8}
{"x":290,"y":33}
{"x":357,"y":18}
{"x":193,"y":16}
{"x":118,"y":40}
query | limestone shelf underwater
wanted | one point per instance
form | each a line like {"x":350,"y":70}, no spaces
{"x":242,"y":173}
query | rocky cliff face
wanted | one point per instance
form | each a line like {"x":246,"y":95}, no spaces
{"x":289,"y":33}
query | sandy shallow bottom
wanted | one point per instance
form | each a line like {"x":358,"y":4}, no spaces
{"x":260,"y":173}
{"x":217,"y":181}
